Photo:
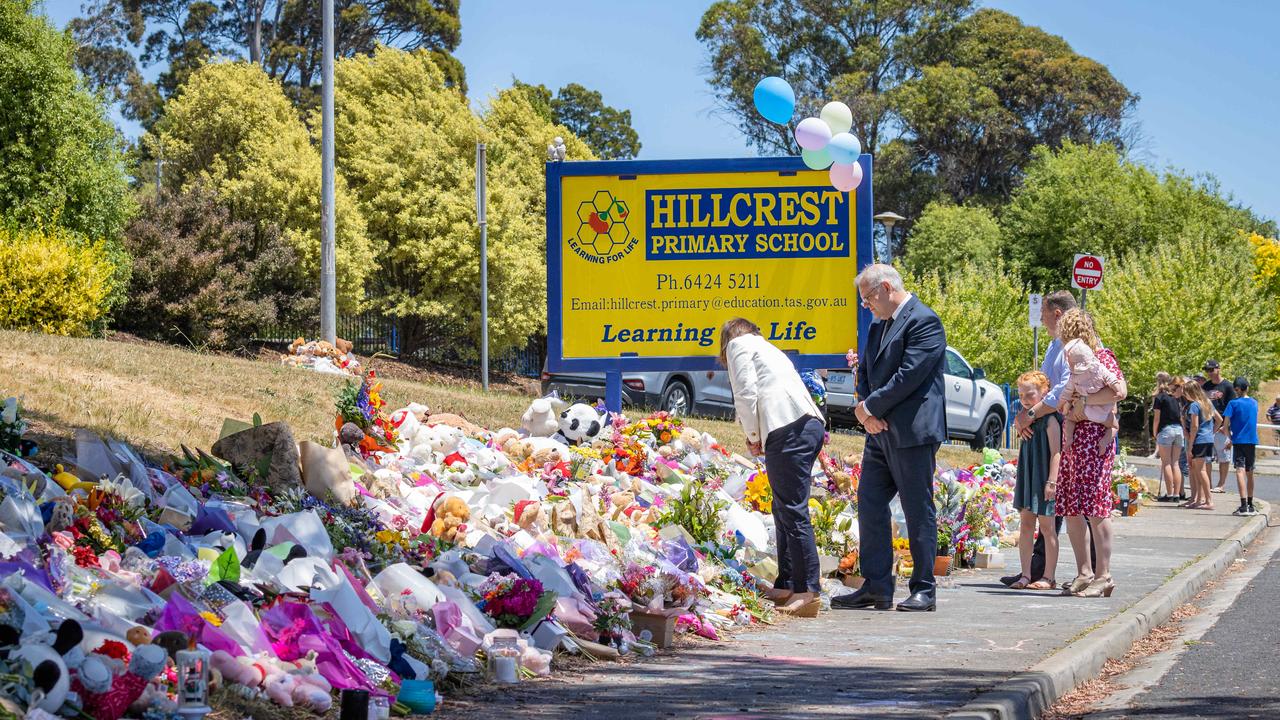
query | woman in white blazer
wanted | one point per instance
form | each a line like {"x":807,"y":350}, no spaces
{"x":779,"y":417}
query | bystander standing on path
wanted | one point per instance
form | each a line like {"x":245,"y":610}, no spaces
{"x":1220,"y":393}
{"x":1241,"y":417}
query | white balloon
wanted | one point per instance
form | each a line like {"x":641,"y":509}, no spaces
{"x":812,"y":134}
{"x":837,"y":116}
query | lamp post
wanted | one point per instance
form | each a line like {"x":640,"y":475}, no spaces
{"x":888,"y":219}
{"x":328,"y":258}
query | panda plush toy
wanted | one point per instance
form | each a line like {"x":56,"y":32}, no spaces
{"x":579,"y":423}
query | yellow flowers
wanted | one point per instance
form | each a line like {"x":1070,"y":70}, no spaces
{"x":390,"y":538}
{"x":214,"y":620}
{"x":759,"y":494}
{"x":901,"y":544}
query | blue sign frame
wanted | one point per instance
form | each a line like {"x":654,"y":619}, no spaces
{"x":628,"y":169}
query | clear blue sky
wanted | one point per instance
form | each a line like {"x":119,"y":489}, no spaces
{"x":1208,"y":74}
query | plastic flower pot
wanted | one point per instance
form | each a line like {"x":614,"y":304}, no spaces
{"x":942,"y":565}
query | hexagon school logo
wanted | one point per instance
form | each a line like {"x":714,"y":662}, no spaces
{"x":602,"y":235}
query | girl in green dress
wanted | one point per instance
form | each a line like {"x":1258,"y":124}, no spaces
{"x":1037,"y":484}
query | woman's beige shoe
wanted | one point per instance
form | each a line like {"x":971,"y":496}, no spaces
{"x":1078,"y":585}
{"x":1100,"y":587}
{"x":800,"y":607}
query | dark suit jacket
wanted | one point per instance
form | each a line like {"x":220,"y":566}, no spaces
{"x":900,"y":376}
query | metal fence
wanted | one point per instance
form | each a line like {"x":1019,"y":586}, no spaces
{"x":371,"y":333}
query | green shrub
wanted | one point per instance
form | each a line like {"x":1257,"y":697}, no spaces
{"x":202,"y":277}
{"x":1175,"y":305}
{"x":52,"y":281}
{"x":948,"y":236}
{"x":984,"y":311}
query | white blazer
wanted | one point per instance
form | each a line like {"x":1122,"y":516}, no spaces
{"x":767,"y":391}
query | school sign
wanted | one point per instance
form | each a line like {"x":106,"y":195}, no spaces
{"x":647,"y":259}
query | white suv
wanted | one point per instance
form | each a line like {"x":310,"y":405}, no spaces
{"x":976,"y":407}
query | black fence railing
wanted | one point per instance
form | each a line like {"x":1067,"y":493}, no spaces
{"x":371,"y":333}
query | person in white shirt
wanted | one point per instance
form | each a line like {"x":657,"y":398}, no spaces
{"x":780,"y":419}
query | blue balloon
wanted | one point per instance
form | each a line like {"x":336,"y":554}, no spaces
{"x":844,"y":148}
{"x":775,"y":100}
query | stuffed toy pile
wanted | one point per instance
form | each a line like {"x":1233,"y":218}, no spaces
{"x":383,"y":561}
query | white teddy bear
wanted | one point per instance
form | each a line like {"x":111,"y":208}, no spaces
{"x":540,"y":419}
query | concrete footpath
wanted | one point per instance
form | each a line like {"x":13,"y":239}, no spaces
{"x":988,"y":652}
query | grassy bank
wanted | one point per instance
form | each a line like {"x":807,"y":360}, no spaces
{"x":159,"y":397}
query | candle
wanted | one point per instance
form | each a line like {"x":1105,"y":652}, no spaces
{"x":505,"y":669}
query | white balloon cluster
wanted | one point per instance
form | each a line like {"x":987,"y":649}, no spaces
{"x":826,"y":142}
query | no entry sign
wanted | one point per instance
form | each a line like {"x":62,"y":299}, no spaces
{"x":1086,"y":272}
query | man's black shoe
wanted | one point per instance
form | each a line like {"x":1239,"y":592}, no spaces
{"x":860,"y":598}
{"x":1008,"y":580}
{"x":919,"y":602}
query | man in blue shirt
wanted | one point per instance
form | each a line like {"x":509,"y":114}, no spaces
{"x":1241,"y":417}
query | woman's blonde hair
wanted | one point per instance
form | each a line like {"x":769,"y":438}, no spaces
{"x":732,"y":330}
{"x":1195,"y":394}
{"x":1076,"y":324}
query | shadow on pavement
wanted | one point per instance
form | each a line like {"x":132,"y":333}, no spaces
{"x":710,"y":686}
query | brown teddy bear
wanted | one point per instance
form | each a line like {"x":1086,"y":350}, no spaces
{"x":517,"y":449}
{"x":529,"y":515}
{"x":620,"y":501}
{"x":457,"y":421}
{"x":451,"y":515}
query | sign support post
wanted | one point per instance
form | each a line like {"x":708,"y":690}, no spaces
{"x":1034,"y":302}
{"x":613,"y":391}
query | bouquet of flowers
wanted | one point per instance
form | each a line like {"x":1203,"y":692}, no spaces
{"x":638,"y":582}
{"x":613,"y":615}
{"x":661,"y":427}
{"x":363,"y":406}
{"x":759,"y":495}
{"x":514,"y":602}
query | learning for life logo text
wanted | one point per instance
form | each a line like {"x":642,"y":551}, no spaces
{"x":602,"y":235}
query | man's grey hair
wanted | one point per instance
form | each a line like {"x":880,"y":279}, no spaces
{"x":878,"y":273}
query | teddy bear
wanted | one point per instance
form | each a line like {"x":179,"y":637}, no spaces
{"x":448,"y":517}
{"x":529,"y":516}
{"x":540,"y":420}
{"x":106,"y":695}
{"x":579,"y":423}
{"x":517,"y":449}
{"x":457,"y":421}
{"x":325,"y":472}
{"x":619,"y":503}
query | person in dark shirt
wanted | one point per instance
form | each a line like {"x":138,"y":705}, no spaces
{"x":1169,"y":437}
{"x":1219,"y":392}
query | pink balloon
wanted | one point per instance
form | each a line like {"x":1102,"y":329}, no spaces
{"x":813,"y":134}
{"x":846,"y":177}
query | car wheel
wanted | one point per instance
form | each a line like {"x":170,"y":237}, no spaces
{"x":677,"y":399}
{"x":992,"y":433}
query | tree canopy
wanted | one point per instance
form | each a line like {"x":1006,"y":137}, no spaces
{"x":605,"y":129}
{"x":233,"y":130}
{"x":283,"y":37}
{"x":408,"y":147}
{"x":957,"y":98}
{"x":60,"y":158}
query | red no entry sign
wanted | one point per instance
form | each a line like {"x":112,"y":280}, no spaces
{"x":1086,"y":273}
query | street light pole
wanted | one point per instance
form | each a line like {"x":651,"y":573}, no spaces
{"x":482,"y":216}
{"x":328,"y":258}
{"x":889,"y":219}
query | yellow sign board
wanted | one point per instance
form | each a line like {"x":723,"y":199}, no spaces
{"x":646,"y":260}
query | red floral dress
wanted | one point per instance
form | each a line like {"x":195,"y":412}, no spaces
{"x":1084,"y":479}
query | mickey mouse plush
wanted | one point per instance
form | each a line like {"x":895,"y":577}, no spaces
{"x":50,"y":679}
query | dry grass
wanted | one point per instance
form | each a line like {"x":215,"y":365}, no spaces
{"x":158,"y":397}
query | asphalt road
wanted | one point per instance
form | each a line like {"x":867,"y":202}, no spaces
{"x":1231,"y":672}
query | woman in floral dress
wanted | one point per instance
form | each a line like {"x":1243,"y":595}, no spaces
{"x":1084,"y":483}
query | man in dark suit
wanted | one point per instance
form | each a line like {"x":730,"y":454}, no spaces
{"x":903,"y":408}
